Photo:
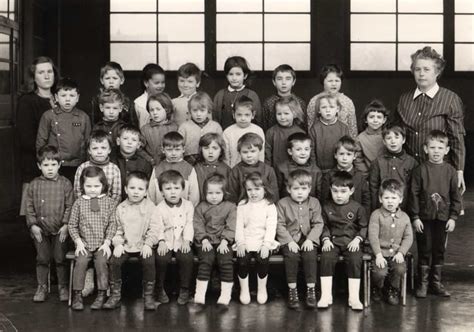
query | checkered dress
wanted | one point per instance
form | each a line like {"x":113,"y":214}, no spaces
{"x":112,"y":173}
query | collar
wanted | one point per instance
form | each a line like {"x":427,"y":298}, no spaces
{"x":132,"y":157}
{"x":202,"y":124}
{"x":88,"y":197}
{"x":42,"y":177}
{"x":174,"y":162}
{"x":141,"y":205}
{"x":370,"y":131}
{"x":387,"y":213}
{"x":389,"y":154}
{"x":214,"y":165}
{"x":247,"y":165}
{"x":328,"y":124}
{"x":58,"y":110}
{"x":430,"y":93}
{"x":294,"y":163}
{"x":345,"y":170}
{"x":109,"y":123}
{"x":171,"y":205}
{"x":156,"y":124}
{"x":230,"y":89}
{"x":100,"y":163}
{"x":299,"y":203}
{"x":187,"y":97}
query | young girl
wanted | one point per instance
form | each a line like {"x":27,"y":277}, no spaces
{"x":214,"y":231}
{"x":92,"y":226}
{"x":255,"y":232}
{"x":237,"y":72}
{"x":153,"y":82}
{"x":210,"y":160}
{"x":290,"y":118}
{"x":160,"y":108}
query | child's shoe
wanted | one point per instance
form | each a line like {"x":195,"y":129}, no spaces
{"x":148,"y":290}
{"x":77,"y":301}
{"x":262,"y":295}
{"x":99,"y":300}
{"x":423,"y":287}
{"x":116,"y":295}
{"x":376,"y":293}
{"x":89,"y":286}
{"x":326,"y":292}
{"x":201,"y":288}
{"x":161,"y":296}
{"x":183,"y":297}
{"x":293,"y":300}
{"x":226,"y":292}
{"x":41,"y":293}
{"x":393,"y":296}
{"x":63,"y":293}
{"x":244,"y":290}
{"x":436,"y":287}
{"x":311,"y":297}
{"x":354,"y":289}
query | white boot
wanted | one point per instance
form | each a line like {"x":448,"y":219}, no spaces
{"x":201,"y":288}
{"x":326,"y":292}
{"x":226,"y":292}
{"x":354,"y":301}
{"x":262,"y":295}
{"x":244,"y":290}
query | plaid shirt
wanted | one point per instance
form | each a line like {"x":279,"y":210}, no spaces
{"x":49,"y":203}
{"x":112,"y":173}
{"x":93,"y":228}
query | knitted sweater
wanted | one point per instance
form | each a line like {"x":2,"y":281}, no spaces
{"x":192,"y":133}
{"x":153,"y":134}
{"x":276,"y":143}
{"x":231,"y":137}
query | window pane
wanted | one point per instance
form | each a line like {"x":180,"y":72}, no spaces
{"x":381,"y":27}
{"x":177,"y":27}
{"x":171,"y":55}
{"x":3,"y":5}
{"x":464,"y":57}
{"x":287,"y":5}
{"x":239,"y":27}
{"x":464,"y":28}
{"x":420,"y":6}
{"x":133,"y":56}
{"x":251,"y":52}
{"x":373,"y":6}
{"x":239,"y":6}
{"x":463,"y":6}
{"x":373,"y":57}
{"x":414,"y":28}
{"x":12,"y":6}
{"x":406,"y":50}
{"x":296,"y":55}
{"x":180,"y":6}
{"x":5,"y":51}
{"x":277,"y":27}
{"x":135,"y":27}
{"x":133,"y":6}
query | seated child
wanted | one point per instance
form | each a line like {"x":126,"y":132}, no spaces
{"x":175,"y":234}
{"x":255,"y":231}
{"x":111,"y":105}
{"x":243,"y":113}
{"x":390,"y":237}
{"x":299,"y":228}
{"x":249,"y":147}
{"x":345,"y":228}
{"x":173,"y":148}
{"x":136,"y":235}
{"x":435,"y":204}
{"x":49,"y":201}
{"x":92,"y":226}
{"x":214,"y":232}
{"x":200,"y":123}
{"x":189,"y":79}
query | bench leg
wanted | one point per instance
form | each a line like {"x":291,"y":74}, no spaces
{"x":366,"y":283}
{"x":403,"y":292}
{"x":49,"y":279}
{"x":71,"y":271}
{"x":412,"y":273}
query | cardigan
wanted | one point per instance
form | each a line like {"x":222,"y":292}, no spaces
{"x":285,"y":168}
{"x":140,"y":108}
{"x":153,"y":134}
{"x":175,"y":224}
{"x":214,"y":222}
{"x":204,"y":170}
{"x":231,"y":137}
{"x":268,"y":110}
{"x":370,"y":145}
{"x":181,"y":112}
{"x":192,"y":133}
{"x":276,"y":143}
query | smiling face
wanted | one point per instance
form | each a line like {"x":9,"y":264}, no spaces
{"x":215,"y":193}
{"x":332,"y":83}
{"x":136,"y":189}
{"x":172,"y":192}
{"x":254,"y":193}
{"x":328,"y":109}
{"x":300,"y":151}
{"x":111,"y":80}
{"x":67,"y":99}
{"x":375,"y":120}
{"x":284,"y":82}
{"x":99,"y":150}
{"x":436,"y":151}
{"x":299,"y":192}
{"x":187,"y":85}
{"x":49,"y":168}
{"x":111,"y":111}
{"x":426,"y":74}
{"x":92,"y":186}
{"x":284,"y":115}
{"x":344,"y":158}
{"x":390,"y":200}
{"x":394,"y":141}
{"x":156,"y":84}
{"x":211,"y":152}
{"x":44,"y":75}
{"x":236,"y":77}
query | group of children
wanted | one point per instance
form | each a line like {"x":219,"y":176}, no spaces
{"x":174,"y":177}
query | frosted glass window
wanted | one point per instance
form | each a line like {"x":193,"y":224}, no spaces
{"x":420,"y":28}
{"x":296,"y":55}
{"x":373,"y":57}
{"x":420,"y":6}
{"x":133,"y":6}
{"x":4,"y":5}
{"x":464,"y":6}
{"x":287,"y":5}
{"x":464,"y":28}
{"x":171,"y":55}
{"x":291,"y":27}
{"x":239,"y":27}
{"x":5,"y":51}
{"x":406,"y":50}
{"x":133,"y":56}
{"x":464,"y":57}
{"x":238,"y":5}
{"x":133,"y":27}
{"x":252,"y":52}
{"x":373,"y":27}
{"x":180,"y":5}
{"x":181,"y":27}
{"x":380,"y":6}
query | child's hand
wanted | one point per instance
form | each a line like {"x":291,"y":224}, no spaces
{"x":264,"y":252}
{"x":106,"y":249}
{"x":119,"y":250}
{"x":293,"y":247}
{"x":223,"y":248}
{"x":307,"y":245}
{"x":353,"y":246}
{"x":80,"y":248}
{"x":63,"y":233}
{"x":36,"y":232}
{"x":327,"y":245}
{"x":241,"y":250}
{"x":418,"y":225}
{"x":380,"y":261}
{"x":146,"y":251}
{"x":185,"y":247}
{"x":398,"y":258}
{"x":450,"y":225}
{"x":206,"y":245}
{"x":162,"y":248}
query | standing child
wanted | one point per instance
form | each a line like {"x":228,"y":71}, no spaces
{"x":189,"y":79}
{"x":111,"y":106}
{"x":92,"y":226}
{"x":300,"y":225}
{"x":214,"y":231}
{"x":255,"y":235}
{"x":175,"y":234}
{"x":435,"y":203}
{"x":237,"y":72}
{"x":49,"y":201}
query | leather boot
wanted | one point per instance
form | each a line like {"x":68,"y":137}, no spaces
{"x":423,"y":286}
{"x":148,"y":290}
{"x":41,"y":293}
{"x":393,"y":296}
{"x":311,"y":297}
{"x":116,"y":294}
{"x":99,"y":300}
{"x":293,"y":300}
{"x":77,"y":301}
{"x":437,"y":288}
{"x":161,"y":295}
{"x":63,"y":293}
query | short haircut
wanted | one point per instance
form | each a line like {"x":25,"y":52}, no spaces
{"x":112,"y":65}
{"x":327,"y":96}
{"x":437,"y":135}
{"x":330,"y":68}
{"x":111,"y":96}
{"x":170,"y":176}
{"x":48,"y":152}
{"x":301,"y":177}
{"x":393,"y":186}
{"x":92,"y":172}
{"x":298,"y":137}
{"x":347,"y":142}
{"x":244,"y":101}
{"x":236,"y":61}
{"x":149,"y":71}
{"x":393,"y":128}
{"x":128,"y":128}
{"x":207,"y":139}
{"x":342,"y":179}
{"x":249,"y":140}
{"x":164,"y":100}
{"x":189,"y":69}
{"x":295,"y":108}
{"x":201,"y":99}
{"x":99,"y":135}
{"x":136,"y":175}
{"x":216,"y":178}
{"x":66,"y":84}
{"x":284,"y":68}
{"x":257,"y":180}
{"x":428,"y":53}
{"x":172,"y":139}
{"x":377,"y":106}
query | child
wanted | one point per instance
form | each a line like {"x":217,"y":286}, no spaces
{"x":65,"y":127}
{"x":249,"y":146}
{"x":283,"y":78}
{"x":153,"y":82}
{"x":111,"y":105}
{"x":299,"y":150}
{"x":390,"y":236}
{"x":211,"y":154}
{"x":243,"y":114}
{"x":173,"y":148}
{"x":300,"y":225}
{"x":200,"y":123}
{"x":214,"y":231}
{"x":49,"y":201}
{"x":136,"y":235}
{"x":435,"y":206}
{"x":255,"y":231}
{"x":92,"y":226}
{"x":345,"y":228}
{"x":237,"y":72}
{"x":392,"y":163}
{"x":289,"y":116}
{"x":326,"y":131}
{"x":175,"y":234}
{"x":189,"y":79}
{"x":160,"y":123}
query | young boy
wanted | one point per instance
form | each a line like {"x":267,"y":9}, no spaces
{"x":49,"y":201}
{"x":299,"y":228}
{"x":299,"y":150}
{"x":65,"y":127}
{"x":392,"y":163}
{"x":243,"y":116}
{"x":173,"y":149}
{"x":175,"y":234}
{"x":249,"y":146}
{"x":435,"y":203}
{"x":111,"y":105}
{"x":189,"y":79}
{"x":345,"y":228}
{"x":136,"y":235}
{"x":283,"y":78}
{"x":390,"y":237}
